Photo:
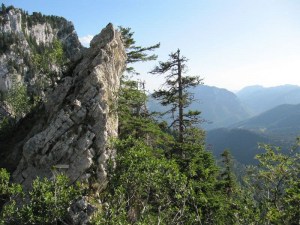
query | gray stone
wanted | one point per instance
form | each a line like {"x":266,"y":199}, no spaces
{"x":80,"y":118}
{"x":80,"y":212}
{"x":43,"y":33}
{"x":74,"y":124}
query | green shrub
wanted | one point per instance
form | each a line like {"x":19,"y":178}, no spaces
{"x":18,"y":100}
{"x":46,"y":203}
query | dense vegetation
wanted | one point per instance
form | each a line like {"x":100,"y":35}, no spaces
{"x":163,"y":174}
{"x":46,"y":203}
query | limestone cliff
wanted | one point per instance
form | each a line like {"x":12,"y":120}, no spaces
{"x":78,"y":118}
{"x":73,"y":124}
{"x":23,"y":35}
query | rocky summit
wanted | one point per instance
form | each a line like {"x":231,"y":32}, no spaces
{"x":78,"y":118}
{"x":70,"y":128}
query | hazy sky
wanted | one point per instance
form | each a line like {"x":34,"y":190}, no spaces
{"x":230,"y":43}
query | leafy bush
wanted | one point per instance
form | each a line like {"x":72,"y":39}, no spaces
{"x":18,"y":100}
{"x":46,"y":203}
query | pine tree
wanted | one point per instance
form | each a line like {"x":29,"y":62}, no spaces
{"x":3,"y":8}
{"x":176,"y":92}
{"x":136,"y":53}
{"x":133,"y":114}
{"x":227,"y":176}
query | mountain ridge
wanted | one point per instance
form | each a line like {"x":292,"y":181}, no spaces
{"x":218,"y":106}
{"x":258,"y":99}
{"x":281,"y":121}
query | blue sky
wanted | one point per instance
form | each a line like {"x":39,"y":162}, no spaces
{"x":230,"y":43}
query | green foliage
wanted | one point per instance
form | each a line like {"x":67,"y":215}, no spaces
{"x":49,"y":201}
{"x":17,"y":100}
{"x":46,"y":203}
{"x":292,"y":200}
{"x":131,"y":104}
{"x":275,"y":184}
{"x":7,"y":40}
{"x":38,"y":18}
{"x":6,"y":188}
{"x":238,"y":204}
{"x":134,"y":118}
{"x":8,"y":192}
{"x":136,"y":53}
{"x":176,"y":92}
{"x":149,"y":187}
{"x":5,"y":9}
{"x":151,"y":184}
{"x":227,"y":176}
{"x":44,"y":63}
{"x":145,"y":187}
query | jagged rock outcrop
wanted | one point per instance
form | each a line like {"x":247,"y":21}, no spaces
{"x":78,"y":118}
{"x":73,"y":125}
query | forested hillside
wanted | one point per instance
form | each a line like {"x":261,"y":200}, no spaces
{"x":279,"y":122}
{"x":277,"y":126}
{"x":243,"y":144}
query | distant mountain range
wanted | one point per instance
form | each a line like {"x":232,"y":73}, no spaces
{"x":219,"y":107}
{"x":258,"y":99}
{"x":279,"y":126}
{"x":282,"y":122}
{"x":222,"y":108}
{"x":240,"y":121}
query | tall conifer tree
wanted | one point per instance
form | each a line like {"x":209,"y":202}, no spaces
{"x":175,"y":92}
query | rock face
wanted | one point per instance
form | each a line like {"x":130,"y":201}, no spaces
{"x":70,"y":131}
{"x":22,"y":35}
{"x":78,"y":118}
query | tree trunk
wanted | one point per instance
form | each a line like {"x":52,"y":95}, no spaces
{"x":180,"y":99}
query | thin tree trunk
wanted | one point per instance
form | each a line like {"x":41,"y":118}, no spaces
{"x":180,"y":98}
